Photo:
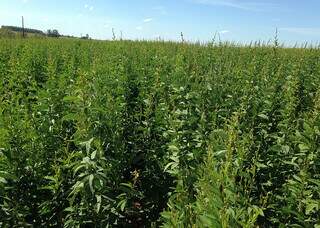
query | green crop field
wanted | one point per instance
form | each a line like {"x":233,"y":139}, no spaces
{"x":158,"y":134}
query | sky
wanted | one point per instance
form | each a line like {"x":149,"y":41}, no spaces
{"x":199,"y":20}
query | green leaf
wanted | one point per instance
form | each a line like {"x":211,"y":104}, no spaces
{"x":87,"y":145}
{"x":98,"y":205}
{"x":77,"y":168}
{"x":122,"y":204}
{"x":90,"y":183}
{"x":128,"y":185}
{"x":205,"y":221}
{"x":171,"y":165}
{"x":70,"y":116}
{"x":50,"y":178}
{"x":292,"y":163}
{"x":7,"y":175}
{"x":304,"y":148}
{"x":93,"y":155}
{"x":311,"y":207}
{"x":263,"y":116}
{"x":76,"y":188}
{"x":220,"y":152}
{"x":72,"y":99}
{"x":69,"y":209}
{"x":2,"y":180}
{"x":173,"y":148}
{"x":297,"y":178}
{"x":261,"y":165}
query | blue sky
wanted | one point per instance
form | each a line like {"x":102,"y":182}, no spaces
{"x":234,"y":20}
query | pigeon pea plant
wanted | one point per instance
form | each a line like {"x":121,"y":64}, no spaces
{"x":151,"y":134}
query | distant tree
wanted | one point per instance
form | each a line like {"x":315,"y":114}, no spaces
{"x":19,"y":29}
{"x":53,"y":33}
{"x":86,"y":37}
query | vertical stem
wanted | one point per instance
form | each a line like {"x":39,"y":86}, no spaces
{"x":23,"y":35}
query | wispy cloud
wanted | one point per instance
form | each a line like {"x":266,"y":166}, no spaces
{"x":224,"y":32}
{"x":147,"y":20}
{"x":302,"y":30}
{"x":86,"y":6}
{"x":160,"y":9}
{"x":25,"y":1}
{"x":139,"y":28}
{"x":250,"y":5}
{"x":107,"y":24}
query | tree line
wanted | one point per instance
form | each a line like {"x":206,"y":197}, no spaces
{"x":49,"y":33}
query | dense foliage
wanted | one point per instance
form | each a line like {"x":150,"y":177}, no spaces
{"x":134,"y":134}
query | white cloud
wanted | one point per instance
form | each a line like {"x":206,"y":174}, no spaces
{"x":139,"y":28}
{"x":86,"y":6}
{"x":91,"y":8}
{"x":302,"y":30}
{"x":147,"y":20}
{"x":250,"y":5}
{"x":25,"y":1}
{"x":224,"y":32}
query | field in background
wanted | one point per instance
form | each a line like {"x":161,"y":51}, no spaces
{"x":133,"y":134}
